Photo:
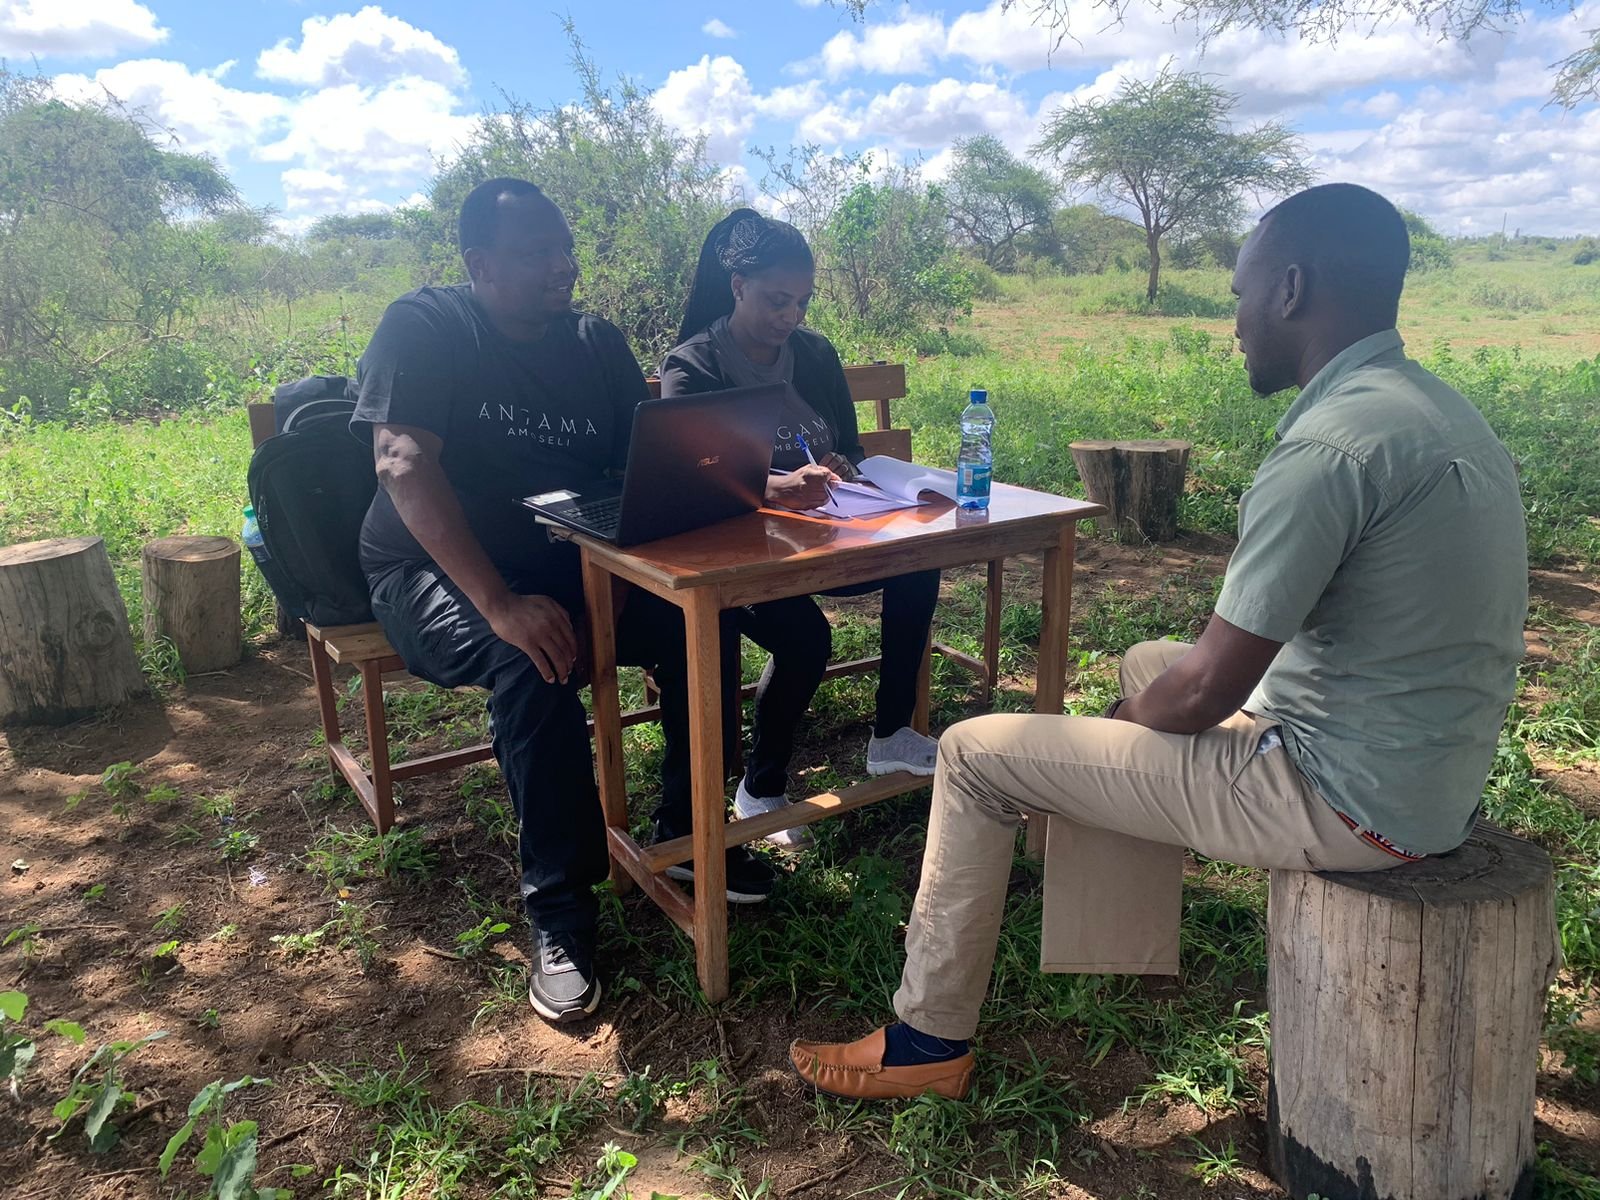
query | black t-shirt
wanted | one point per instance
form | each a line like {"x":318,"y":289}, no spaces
{"x":516,"y":418}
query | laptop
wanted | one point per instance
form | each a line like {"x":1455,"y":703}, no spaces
{"x":692,"y":461}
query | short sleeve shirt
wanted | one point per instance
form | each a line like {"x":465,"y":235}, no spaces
{"x":1383,"y":541}
{"x":515,"y":418}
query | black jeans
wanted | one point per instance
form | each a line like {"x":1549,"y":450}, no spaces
{"x":797,"y":635}
{"x":538,"y":729}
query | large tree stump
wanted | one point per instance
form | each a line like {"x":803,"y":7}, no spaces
{"x":65,"y":647}
{"x":191,"y":596}
{"x":1139,"y":482}
{"x":1406,"y":1011}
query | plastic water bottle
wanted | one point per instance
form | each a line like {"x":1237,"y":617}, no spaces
{"x":976,"y":465}
{"x":250,"y":535}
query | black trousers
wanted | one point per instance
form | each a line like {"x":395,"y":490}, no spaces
{"x":538,"y":729}
{"x":797,"y":635}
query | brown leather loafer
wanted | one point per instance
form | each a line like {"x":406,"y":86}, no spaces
{"x":855,"y":1071}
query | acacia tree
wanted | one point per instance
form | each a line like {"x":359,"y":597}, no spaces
{"x":995,"y":199}
{"x":1577,"y":76}
{"x":1167,"y":149}
{"x":99,"y":258}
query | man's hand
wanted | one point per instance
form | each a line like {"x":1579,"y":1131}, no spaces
{"x":805,"y":488}
{"x":541,"y":629}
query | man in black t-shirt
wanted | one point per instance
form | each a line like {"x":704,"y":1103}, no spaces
{"x":475,"y":396}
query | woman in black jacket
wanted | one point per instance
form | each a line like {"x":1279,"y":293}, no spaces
{"x":742,"y":327}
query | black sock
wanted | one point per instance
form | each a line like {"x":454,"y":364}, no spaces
{"x":905,"y":1046}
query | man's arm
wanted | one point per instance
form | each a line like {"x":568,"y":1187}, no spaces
{"x":407,"y":460}
{"x":1206,"y":685}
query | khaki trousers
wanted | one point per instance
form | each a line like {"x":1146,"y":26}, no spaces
{"x":1122,"y":801}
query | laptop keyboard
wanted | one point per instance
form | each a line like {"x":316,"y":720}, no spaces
{"x":599,"y":515}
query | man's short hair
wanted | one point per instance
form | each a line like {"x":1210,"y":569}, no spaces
{"x":480,"y":211}
{"x":1351,"y":240}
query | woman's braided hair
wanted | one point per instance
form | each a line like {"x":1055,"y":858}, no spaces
{"x":742,"y":243}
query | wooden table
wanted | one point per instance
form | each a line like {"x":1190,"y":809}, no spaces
{"x":768,"y":555}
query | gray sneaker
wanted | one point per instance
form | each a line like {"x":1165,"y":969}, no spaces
{"x":746,"y":805}
{"x":903,"y":750}
{"x":562,"y":984}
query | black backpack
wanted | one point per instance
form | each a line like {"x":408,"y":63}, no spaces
{"x":311,"y":486}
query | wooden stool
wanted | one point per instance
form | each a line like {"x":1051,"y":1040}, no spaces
{"x":66,"y":650}
{"x":1139,"y":482}
{"x":191,"y":597}
{"x":1406,"y":1011}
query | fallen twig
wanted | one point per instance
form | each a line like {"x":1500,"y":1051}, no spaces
{"x":819,"y":1180}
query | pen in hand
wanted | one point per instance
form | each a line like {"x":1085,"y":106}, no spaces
{"x":806,"y":446}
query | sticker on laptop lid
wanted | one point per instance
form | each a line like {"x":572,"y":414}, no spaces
{"x":550,"y":497}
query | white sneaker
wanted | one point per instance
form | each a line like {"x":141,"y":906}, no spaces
{"x":903,"y":750}
{"x":746,"y":805}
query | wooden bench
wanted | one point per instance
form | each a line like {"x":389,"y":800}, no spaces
{"x":364,"y":647}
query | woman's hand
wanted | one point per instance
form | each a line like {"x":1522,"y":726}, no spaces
{"x":841,"y":466}
{"x":802,"y":489}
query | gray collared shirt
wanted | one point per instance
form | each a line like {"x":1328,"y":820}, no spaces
{"x":1383,"y":542}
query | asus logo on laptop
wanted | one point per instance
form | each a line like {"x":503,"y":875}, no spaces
{"x":709,"y":462}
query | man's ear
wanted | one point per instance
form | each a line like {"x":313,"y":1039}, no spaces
{"x":1293,"y":290}
{"x":475,"y":264}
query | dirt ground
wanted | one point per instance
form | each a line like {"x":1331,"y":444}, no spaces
{"x":248,"y":732}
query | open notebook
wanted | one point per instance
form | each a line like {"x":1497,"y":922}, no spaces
{"x":899,"y":484}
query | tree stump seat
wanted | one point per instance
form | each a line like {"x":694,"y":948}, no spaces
{"x":66,"y":650}
{"x":1406,"y":1008}
{"x":1139,"y":482}
{"x":191,"y":598}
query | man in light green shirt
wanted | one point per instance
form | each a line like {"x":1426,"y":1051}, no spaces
{"x":1339,"y":712}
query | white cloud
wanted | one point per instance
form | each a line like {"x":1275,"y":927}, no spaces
{"x":908,"y":46}
{"x":711,"y":97}
{"x":718,"y":28}
{"x":924,"y":117}
{"x":385,"y":136}
{"x":365,"y":47}
{"x":76,"y":28}
{"x":205,"y":114}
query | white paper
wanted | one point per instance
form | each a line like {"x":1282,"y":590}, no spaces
{"x":908,"y":480}
{"x":853,"y":500}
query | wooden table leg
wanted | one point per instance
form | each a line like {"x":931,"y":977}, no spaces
{"x":994,"y":600}
{"x":607,"y":708}
{"x":921,"y":715}
{"x":1050,"y":687}
{"x":701,"y":622}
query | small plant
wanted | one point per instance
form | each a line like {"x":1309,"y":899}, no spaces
{"x":93,"y":893}
{"x":169,"y":919}
{"x":118,"y":782}
{"x":236,"y":843}
{"x":342,"y":858}
{"x":611,"y":1169}
{"x":210,"y":1019}
{"x":162,"y":793}
{"x":224,"y":933}
{"x":227,"y":1155}
{"x":1212,"y":1167}
{"x":27,"y":939}
{"x":349,"y":930}
{"x":472,"y":942}
{"x":98,"y":1099}
{"x":16,"y":1047}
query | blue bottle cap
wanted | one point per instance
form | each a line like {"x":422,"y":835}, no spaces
{"x":978,"y":396}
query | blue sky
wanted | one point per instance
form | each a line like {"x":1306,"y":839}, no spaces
{"x":320,"y":107}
